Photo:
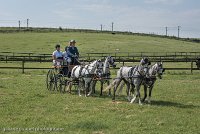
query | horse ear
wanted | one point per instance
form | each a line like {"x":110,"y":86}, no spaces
{"x":159,"y":63}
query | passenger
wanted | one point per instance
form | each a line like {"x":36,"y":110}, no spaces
{"x":57,"y":56}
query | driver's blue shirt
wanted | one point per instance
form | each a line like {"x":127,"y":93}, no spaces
{"x":71,"y":51}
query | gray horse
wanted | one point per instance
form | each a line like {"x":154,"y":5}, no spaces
{"x":149,"y":79}
{"x":104,"y":75}
{"x":132,"y":77}
{"x":85,"y":75}
{"x":156,"y":69}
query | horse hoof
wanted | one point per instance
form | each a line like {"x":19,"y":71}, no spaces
{"x":140,"y":104}
{"x":132,"y":101}
{"x":87,"y":95}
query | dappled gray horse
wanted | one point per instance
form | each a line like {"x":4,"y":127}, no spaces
{"x":85,"y":75}
{"x":133,"y":77}
{"x":156,"y":69}
{"x":104,"y":76}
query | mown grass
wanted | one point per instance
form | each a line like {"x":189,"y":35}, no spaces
{"x":26,"y":103}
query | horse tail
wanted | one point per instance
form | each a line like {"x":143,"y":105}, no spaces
{"x":121,"y":87}
{"x":111,"y":85}
{"x":69,"y":87}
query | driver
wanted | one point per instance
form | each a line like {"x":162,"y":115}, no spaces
{"x":71,"y":53}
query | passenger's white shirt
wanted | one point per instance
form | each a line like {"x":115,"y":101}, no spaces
{"x":57,"y":54}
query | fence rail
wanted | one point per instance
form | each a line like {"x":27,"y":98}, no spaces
{"x":126,"y":54}
{"x":121,"y":57}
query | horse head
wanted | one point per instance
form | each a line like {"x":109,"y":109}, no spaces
{"x":111,"y":61}
{"x":159,"y":69}
{"x":145,"y":61}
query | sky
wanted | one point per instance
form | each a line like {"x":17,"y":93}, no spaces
{"x":143,"y":16}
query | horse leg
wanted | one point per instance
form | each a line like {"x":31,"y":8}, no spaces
{"x":134,"y":96}
{"x":86,"y":88}
{"x":128,"y":90}
{"x":80,"y":86}
{"x":108,"y":83}
{"x":149,"y":98}
{"x":94,"y":85}
{"x":145,"y":93}
{"x":137,"y":92}
{"x":79,"y":89}
{"x":132,"y":89}
{"x":89,"y":88}
{"x":101,"y":87}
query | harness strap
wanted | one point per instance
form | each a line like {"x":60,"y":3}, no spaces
{"x":81,"y":68}
{"x":130,"y":72}
{"x":74,"y":70}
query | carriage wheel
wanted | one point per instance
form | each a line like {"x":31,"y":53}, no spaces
{"x":50,"y":80}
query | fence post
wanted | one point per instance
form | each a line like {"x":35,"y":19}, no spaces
{"x":40,"y":59}
{"x":44,"y":56}
{"x":6,"y":59}
{"x":23,"y":66}
{"x":192,"y":67}
{"x":29,"y":55}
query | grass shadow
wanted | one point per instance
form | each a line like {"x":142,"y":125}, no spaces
{"x":90,"y":125}
{"x":97,"y":95}
{"x":173,"y":104}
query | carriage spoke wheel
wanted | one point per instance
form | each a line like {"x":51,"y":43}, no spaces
{"x":50,"y":80}
{"x":59,"y":83}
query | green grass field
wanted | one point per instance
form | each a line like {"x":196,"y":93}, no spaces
{"x":26,"y":103}
{"x":92,"y":42}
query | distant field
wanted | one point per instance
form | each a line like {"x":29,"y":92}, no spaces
{"x":92,"y":42}
{"x":26,"y":103}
